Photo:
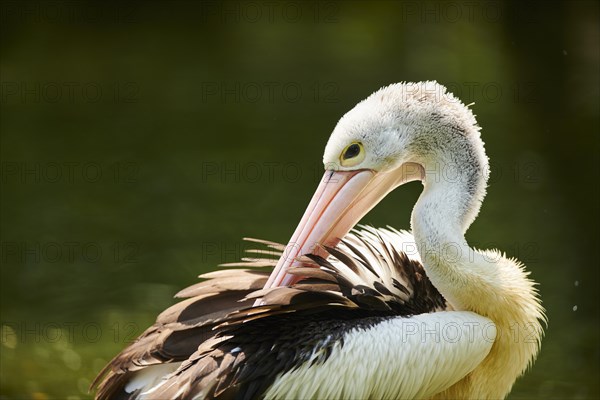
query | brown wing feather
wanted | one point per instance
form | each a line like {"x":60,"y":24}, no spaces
{"x":231,"y":349}
{"x":179,"y":330}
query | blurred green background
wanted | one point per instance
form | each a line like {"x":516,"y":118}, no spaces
{"x":141,"y":141}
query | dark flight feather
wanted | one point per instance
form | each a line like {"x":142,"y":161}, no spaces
{"x":229,"y":349}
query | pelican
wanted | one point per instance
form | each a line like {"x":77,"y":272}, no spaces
{"x":357,"y":313}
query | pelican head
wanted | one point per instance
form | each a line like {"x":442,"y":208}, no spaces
{"x":401,"y":123}
{"x":401,"y":133}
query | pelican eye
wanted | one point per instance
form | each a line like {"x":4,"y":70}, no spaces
{"x":352,"y":155}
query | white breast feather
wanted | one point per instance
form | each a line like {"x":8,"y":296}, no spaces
{"x":414,"y":357}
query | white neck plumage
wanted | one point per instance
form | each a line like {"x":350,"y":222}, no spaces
{"x":453,"y":192}
{"x":484,"y":282}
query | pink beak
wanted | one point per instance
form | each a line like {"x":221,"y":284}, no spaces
{"x":341,"y":200}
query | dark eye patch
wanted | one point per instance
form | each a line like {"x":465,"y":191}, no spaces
{"x":352,"y":151}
